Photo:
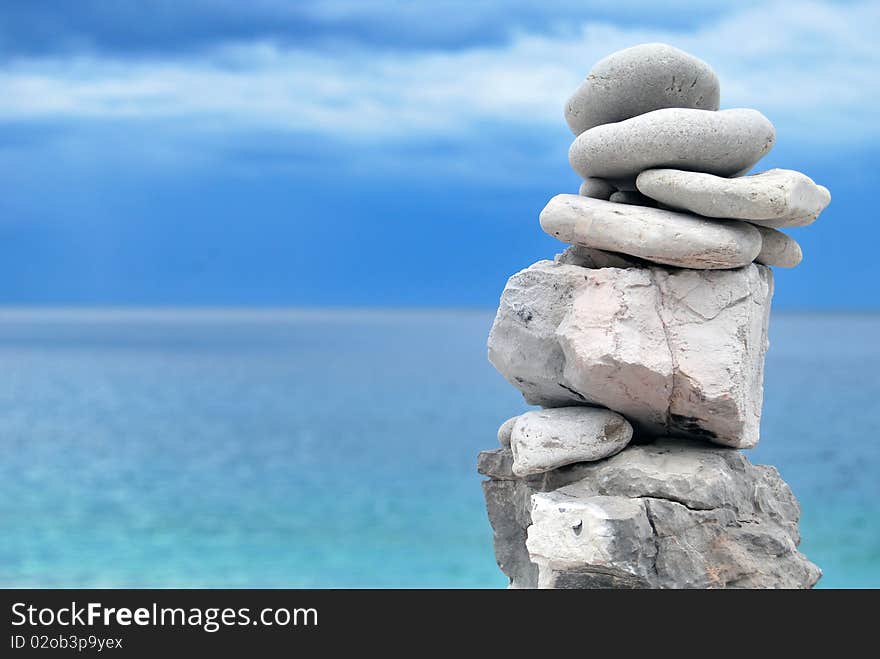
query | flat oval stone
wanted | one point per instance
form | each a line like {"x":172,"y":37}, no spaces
{"x":775,"y":198}
{"x":640,"y":79}
{"x":546,"y":439}
{"x":661,"y":236}
{"x":723,"y":143}
{"x":597,"y":188}
{"x":778,"y":249}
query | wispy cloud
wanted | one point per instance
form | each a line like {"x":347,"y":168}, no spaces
{"x":138,"y":27}
{"x":812,"y":69}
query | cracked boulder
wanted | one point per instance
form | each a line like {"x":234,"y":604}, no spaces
{"x":666,"y":515}
{"x":677,"y":352}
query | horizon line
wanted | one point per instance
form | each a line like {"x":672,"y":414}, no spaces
{"x":205,"y":311}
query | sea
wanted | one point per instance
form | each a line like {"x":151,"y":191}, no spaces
{"x":310,"y":448}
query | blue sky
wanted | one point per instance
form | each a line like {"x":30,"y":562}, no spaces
{"x":388,"y":153}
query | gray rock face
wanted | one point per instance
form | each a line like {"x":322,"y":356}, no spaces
{"x":641,"y":79}
{"x":652,"y":234}
{"x":596,"y":188}
{"x":778,"y":249}
{"x":546,"y":439}
{"x":775,"y":198}
{"x":725,"y":143}
{"x":677,"y":352}
{"x":666,"y":515}
{"x":508,"y":517}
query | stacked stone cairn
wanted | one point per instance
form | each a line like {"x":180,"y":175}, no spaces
{"x":643,"y":343}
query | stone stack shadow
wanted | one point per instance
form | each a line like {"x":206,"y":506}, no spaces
{"x":644,"y":342}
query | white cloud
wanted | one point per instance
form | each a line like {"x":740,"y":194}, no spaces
{"x":812,"y":68}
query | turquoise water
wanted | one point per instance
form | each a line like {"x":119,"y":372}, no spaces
{"x":337,"y":448}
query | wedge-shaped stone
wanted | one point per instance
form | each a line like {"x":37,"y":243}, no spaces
{"x":632,"y":198}
{"x":640,"y":79}
{"x":676,"y":352}
{"x":652,"y":234}
{"x":775,"y":198}
{"x":778,"y":249}
{"x":586,"y":257}
{"x":725,"y":143}
{"x":672,"y":514}
{"x":542,"y":440}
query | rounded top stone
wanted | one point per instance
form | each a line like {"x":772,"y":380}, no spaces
{"x":724,"y":143}
{"x":640,"y":79}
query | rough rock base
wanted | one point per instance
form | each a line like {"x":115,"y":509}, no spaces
{"x":673,"y":514}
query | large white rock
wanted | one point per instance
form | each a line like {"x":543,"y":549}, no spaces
{"x":725,"y":143}
{"x":640,"y":79}
{"x":672,"y":514}
{"x":778,"y":249}
{"x":615,"y":346}
{"x":652,"y":234}
{"x":677,"y":352}
{"x":775,"y":198}
{"x":542,"y":440}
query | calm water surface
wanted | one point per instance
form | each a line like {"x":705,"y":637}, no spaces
{"x":196,"y":448}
